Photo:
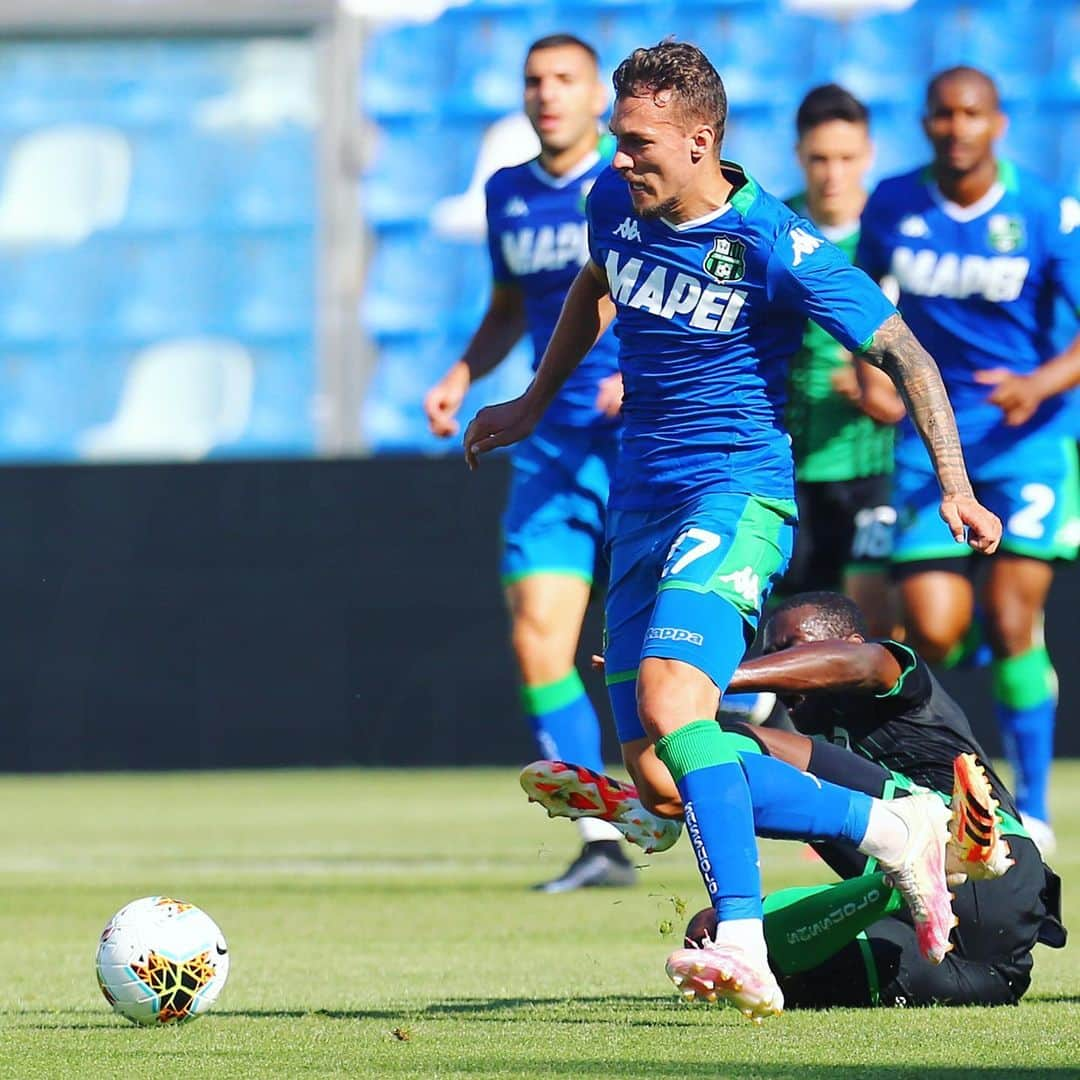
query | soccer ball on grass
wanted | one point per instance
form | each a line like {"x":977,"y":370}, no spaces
{"x":161,"y":961}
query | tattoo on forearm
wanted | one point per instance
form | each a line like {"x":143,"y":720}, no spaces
{"x":915,"y":374}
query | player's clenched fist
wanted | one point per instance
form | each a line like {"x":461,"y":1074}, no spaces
{"x":983,"y":527}
{"x":443,"y":400}
{"x":498,"y":425}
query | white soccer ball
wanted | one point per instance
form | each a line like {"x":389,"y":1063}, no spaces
{"x":161,"y":961}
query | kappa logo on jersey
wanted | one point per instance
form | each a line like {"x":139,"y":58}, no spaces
{"x":515,"y":207}
{"x":628,"y":230}
{"x":1070,"y":214}
{"x":551,"y":247}
{"x":710,"y":308}
{"x":914,"y":225}
{"x":998,"y":278}
{"x":727,"y":259}
{"x":744,"y":583}
{"x":803,"y":244}
{"x":1005,"y":232}
{"x":673,"y":633}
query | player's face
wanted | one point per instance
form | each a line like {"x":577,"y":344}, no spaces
{"x":655,"y":152}
{"x":835,"y":157}
{"x":962,"y":122}
{"x":788,"y":630}
{"x":563,"y":96}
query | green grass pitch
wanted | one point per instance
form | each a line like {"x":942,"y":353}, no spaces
{"x":381,"y":926}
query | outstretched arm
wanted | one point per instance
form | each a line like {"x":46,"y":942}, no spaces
{"x":912,"y":369}
{"x":586,"y":314}
{"x":853,"y":666}
{"x":503,"y":324}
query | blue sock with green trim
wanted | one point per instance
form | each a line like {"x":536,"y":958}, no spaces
{"x":719,"y":816}
{"x":793,"y":805}
{"x":564,"y":721}
{"x":1025,"y":695}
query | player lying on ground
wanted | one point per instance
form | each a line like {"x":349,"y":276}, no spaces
{"x":882,"y":700}
{"x":712,"y":280}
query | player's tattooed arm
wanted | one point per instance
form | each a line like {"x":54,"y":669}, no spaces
{"x":913,"y":371}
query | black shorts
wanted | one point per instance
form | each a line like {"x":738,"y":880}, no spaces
{"x":842,"y":524}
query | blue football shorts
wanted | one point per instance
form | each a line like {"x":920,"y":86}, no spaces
{"x":689,"y":584}
{"x":1031,"y":485}
{"x":554,"y":518}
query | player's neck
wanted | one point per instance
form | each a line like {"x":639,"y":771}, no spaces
{"x":840,"y":212}
{"x":710,"y":193}
{"x":967,"y":188}
{"x":560,"y":162}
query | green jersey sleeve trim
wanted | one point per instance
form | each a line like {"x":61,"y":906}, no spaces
{"x":908,"y":668}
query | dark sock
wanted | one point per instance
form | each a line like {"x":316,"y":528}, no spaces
{"x":840,"y":766}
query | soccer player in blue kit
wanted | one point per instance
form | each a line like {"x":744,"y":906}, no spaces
{"x":982,"y":251}
{"x":553,"y":526}
{"x":713,"y":280}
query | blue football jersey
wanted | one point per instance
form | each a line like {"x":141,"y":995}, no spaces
{"x":538,"y":241}
{"x":979,"y":285}
{"x":709,"y":313}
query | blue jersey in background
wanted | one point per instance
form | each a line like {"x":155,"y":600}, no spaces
{"x":709,"y":314}
{"x":538,"y":242}
{"x":978,"y":286}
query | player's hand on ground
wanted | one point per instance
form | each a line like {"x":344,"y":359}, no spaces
{"x":498,"y":425}
{"x":1017,"y":396}
{"x":969,"y":521}
{"x":609,"y":399}
{"x":442,"y":401}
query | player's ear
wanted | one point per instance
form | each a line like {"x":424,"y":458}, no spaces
{"x":702,"y":142}
{"x":1000,"y":125}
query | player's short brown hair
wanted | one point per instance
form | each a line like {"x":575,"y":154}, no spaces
{"x":558,"y":41}
{"x":682,"y":68}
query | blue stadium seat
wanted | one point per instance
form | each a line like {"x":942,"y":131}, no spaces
{"x":415,"y":163}
{"x":486,"y":55}
{"x":404,"y":70}
{"x":762,"y":140}
{"x":881,"y":59}
{"x":173,"y":179}
{"x":392,"y":416}
{"x":899,"y":142}
{"x":759,"y":55}
{"x":282,"y":420}
{"x":614,"y":30}
{"x":416,"y":280}
{"x":266,"y":283}
{"x":267,"y":179}
{"x":47,"y":395}
{"x":165,"y":286}
{"x":410,"y":284}
{"x":48,"y":295}
{"x":1062,"y":81}
{"x":1009,"y":39}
